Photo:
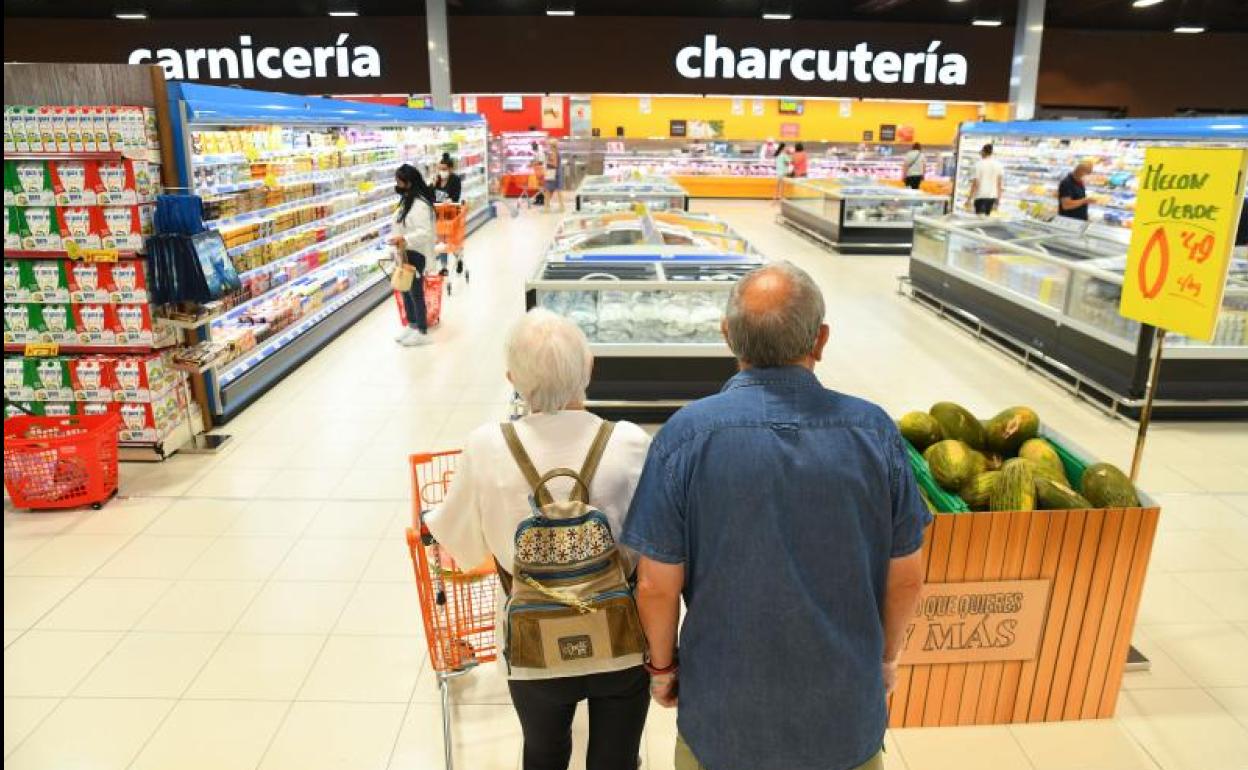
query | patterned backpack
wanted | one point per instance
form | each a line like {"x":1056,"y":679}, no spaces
{"x":570,"y":608}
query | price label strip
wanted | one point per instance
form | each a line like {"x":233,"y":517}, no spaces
{"x":41,"y":349}
{"x":1187,"y":209}
{"x":74,"y":251}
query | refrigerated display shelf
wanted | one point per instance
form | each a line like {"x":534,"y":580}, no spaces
{"x":251,"y":217}
{"x":232,"y":370}
{"x":329,"y":243}
{"x":327,"y":222}
{"x":238,"y":309}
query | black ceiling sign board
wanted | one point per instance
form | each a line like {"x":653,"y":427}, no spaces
{"x":888,"y":132}
{"x":495,"y":54}
{"x":678,"y":128}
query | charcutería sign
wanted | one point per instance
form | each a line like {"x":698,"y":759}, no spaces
{"x":977,"y":622}
{"x":859,"y":64}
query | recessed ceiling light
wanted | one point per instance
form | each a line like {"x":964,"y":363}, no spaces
{"x":986,"y":23}
{"x":560,"y":13}
{"x":560,"y":8}
{"x":1146,"y":3}
{"x":777,"y":16}
{"x":130,"y":15}
{"x":1186,"y":29}
{"x":344,"y":14}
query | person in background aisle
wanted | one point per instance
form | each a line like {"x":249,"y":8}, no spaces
{"x":800,"y":161}
{"x":914,"y":167}
{"x":549,"y":363}
{"x":784,"y":167}
{"x":414,"y":240}
{"x":987,"y":183}
{"x":554,"y":176}
{"x":1072,"y":196}
{"x":788,"y":516}
{"x":447,"y":188}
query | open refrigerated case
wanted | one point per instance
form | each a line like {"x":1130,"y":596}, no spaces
{"x":1049,"y":293}
{"x":649,"y":291}
{"x":599,"y":192}
{"x":513,"y":159}
{"x":1047,"y":288}
{"x":300,"y":191}
{"x":857,"y":217}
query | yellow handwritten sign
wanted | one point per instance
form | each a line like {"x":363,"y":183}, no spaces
{"x":41,"y":349}
{"x":1186,"y":211}
{"x":74,"y":251}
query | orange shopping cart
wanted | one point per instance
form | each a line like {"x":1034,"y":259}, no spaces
{"x":457,"y":604}
{"x":451,"y":221}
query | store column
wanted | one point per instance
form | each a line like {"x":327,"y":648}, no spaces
{"x":1025,"y":66}
{"x":439,"y":54}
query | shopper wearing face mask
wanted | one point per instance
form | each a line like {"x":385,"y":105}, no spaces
{"x":414,"y":242}
{"x":447,"y":186}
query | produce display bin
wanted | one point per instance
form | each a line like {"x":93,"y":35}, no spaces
{"x":1066,"y":586}
{"x":857,"y":217}
{"x":1051,"y":291}
{"x":598,"y":193}
{"x":649,"y":291}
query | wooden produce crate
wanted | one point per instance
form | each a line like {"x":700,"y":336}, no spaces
{"x":1027,"y":616}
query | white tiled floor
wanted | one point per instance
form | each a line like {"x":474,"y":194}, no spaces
{"x":256,"y":609}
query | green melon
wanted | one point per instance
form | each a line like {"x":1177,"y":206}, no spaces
{"x":1042,"y":453}
{"x":995,"y":461}
{"x":977,"y":493}
{"x":1107,"y":487}
{"x":957,"y":423}
{"x":1055,"y":496}
{"x":1007,"y":431}
{"x":920,"y":429}
{"x":951,"y":462}
{"x":1016,"y":488}
{"x":979,"y":462}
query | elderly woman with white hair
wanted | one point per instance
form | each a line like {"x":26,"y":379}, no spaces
{"x":549,"y":363}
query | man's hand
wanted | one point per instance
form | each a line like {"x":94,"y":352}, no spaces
{"x":890,"y":676}
{"x":664,"y":688}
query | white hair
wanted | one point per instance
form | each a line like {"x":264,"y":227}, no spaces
{"x":549,"y":360}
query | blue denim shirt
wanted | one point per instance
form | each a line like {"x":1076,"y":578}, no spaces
{"x":785,"y":501}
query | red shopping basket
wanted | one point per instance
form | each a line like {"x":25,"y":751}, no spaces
{"x":433,"y":300}
{"x":60,"y":462}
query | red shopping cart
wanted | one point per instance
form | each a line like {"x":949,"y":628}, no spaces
{"x":60,"y":462}
{"x":457,"y":604}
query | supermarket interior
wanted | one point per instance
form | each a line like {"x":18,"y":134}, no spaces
{"x":1028,"y":222}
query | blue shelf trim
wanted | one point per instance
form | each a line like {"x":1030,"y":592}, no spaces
{"x":232,"y":106}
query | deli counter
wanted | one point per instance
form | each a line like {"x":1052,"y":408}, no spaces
{"x":649,"y":291}
{"x":597,"y":193}
{"x":856,"y":216}
{"x":1050,"y":291}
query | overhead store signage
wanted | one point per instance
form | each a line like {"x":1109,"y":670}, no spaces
{"x":247,"y":61}
{"x":1186,"y":214}
{"x":860,"y":64}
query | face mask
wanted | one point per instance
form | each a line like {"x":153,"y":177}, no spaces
{"x":400,"y":190}
{"x":443,"y":174}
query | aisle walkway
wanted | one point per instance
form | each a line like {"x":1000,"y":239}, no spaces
{"x":256,"y":609}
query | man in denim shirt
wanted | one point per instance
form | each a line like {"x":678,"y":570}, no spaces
{"x":787,"y":515}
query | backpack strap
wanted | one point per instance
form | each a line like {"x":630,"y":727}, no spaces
{"x":525,"y":463}
{"x":596,"y":451}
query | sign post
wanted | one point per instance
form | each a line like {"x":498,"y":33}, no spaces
{"x":1186,"y":212}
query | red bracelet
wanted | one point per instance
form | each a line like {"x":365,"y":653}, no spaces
{"x":669,"y":669}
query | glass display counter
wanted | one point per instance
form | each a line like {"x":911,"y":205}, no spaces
{"x":649,"y":303}
{"x":1051,"y":292}
{"x":857,"y":217}
{"x":601,"y":193}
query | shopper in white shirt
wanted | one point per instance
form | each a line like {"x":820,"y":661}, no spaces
{"x":549,"y":363}
{"x":987,"y":183}
{"x":914,"y":167}
{"x":414,"y":240}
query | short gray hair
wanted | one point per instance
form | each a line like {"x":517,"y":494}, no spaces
{"x":781,"y":332}
{"x":549,"y":360}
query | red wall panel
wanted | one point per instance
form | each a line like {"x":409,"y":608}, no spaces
{"x":499,"y":120}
